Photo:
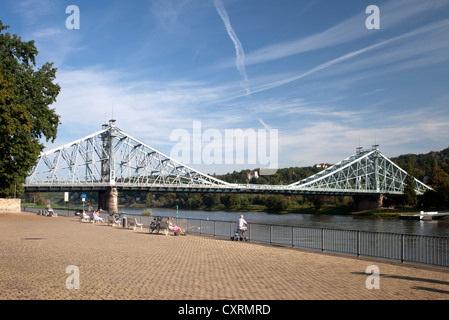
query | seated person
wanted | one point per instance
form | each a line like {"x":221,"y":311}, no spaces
{"x":174,"y":228}
{"x":85,"y":216}
{"x":97,"y":217}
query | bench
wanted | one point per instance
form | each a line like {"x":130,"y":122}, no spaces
{"x":132,"y":222}
{"x":164,"y":226}
{"x":158,"y":225}
{"x":114,"y":221}
{"x":47,"y":213}
{"x":84,"y":217}
{"x":95,"y":219}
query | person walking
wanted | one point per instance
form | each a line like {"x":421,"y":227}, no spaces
{"x":241,"y":227}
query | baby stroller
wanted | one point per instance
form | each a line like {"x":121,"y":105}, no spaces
{"x":240,"y":234}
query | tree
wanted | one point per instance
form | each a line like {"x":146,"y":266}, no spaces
{"x":25,"y":115}
{"x":195,"y":201}
{"x":277,"y":203}
{"x":211,"y":200}
{"x":439,"y":180}
{"x":409,"y":196}
{"x":234,"y":201}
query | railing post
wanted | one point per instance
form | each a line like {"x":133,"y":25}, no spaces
{"x":270,"y":233}
{"x":358,"y":243}
{"x":322,"y":239}
{"x":293,"y":238}
{"x":402,"y":248}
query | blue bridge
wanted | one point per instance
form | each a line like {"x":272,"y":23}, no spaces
{"x":111,"y":160}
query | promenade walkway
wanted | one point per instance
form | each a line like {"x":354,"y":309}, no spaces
{"x":117,"y":263}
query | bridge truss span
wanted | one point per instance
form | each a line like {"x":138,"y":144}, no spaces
{"x":110,"y":158}
{"x":367,"y":171}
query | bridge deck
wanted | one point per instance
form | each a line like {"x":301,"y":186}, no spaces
{"x":117,"y":263}
{"x":234,"y":188}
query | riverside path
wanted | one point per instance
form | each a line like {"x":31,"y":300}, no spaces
{"x":117,"y":263}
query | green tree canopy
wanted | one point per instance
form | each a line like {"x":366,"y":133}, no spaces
{"x":25,"y":116}
{"x":409,"y":196}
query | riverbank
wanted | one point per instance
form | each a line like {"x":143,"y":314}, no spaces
{"x":330,"y":221}
{"x":344,"y":210}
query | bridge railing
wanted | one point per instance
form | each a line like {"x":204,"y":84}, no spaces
{"x":428,"y":250}
{"x":420,"y":249}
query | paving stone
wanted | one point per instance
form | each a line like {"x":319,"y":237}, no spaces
{"x":117,"y":263}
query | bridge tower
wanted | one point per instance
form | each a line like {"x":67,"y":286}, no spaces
{"x":108,"y":199}
{"x":367,"y":202}
{"x":375,"y":201}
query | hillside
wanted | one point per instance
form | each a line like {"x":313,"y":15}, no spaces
{"x":421,"y":166}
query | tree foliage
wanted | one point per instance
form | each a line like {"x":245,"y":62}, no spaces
{"x":433,"y":169}
{"x":25,"y":116}
{"x":410,"y":197}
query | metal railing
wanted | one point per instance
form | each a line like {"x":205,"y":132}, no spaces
{"x":428,"y":250}
{"x":420,"y":249}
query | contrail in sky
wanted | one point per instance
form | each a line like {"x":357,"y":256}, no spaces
{"x":439,"y":26}
{"x":240,"y":54}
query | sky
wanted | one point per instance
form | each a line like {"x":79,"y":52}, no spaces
{"x":316,"y":72}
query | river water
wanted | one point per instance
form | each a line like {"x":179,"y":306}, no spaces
{"x":346,"y":222}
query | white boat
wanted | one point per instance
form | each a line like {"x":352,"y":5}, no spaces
{"x":425,"y":216}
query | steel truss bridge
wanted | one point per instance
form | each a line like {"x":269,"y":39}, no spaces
{"x":110,"y":158}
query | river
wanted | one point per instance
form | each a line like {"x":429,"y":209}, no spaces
{"x":346,"y":222}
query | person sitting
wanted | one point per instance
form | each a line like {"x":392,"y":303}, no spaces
{"x":85,"y":216}
{"x":97,"y":217}
{"x":175,"y":228}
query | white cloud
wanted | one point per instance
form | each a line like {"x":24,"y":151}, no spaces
{"x":316,"y":119}
{"x":393,"y":13}
{"x":167,"y":12}
{"x":239,"y":52}
{"x":33,"y":11}
{"x":426,"y":45}
{"x":46,"y":32}
{"x":147,"y":109}
{"x":309,"y":132}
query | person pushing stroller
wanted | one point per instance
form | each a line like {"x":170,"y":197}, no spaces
{"x":241,"y":227}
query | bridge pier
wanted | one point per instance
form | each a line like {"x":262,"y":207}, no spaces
{"x":108,"y":200}
{"x":367,"y":202}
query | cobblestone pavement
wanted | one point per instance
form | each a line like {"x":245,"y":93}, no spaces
{"x":117,"y":263}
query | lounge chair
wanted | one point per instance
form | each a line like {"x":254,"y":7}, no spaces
{"x":84,"y":217}
{"x":132,"y":222}
{"x":114,"y":220}
{"x":96,"y":218}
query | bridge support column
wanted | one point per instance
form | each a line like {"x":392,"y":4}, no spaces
{"x":108,"y":200}
{"x":367,"y":202}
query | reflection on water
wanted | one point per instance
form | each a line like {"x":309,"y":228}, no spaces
{"x":394,"y":225}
